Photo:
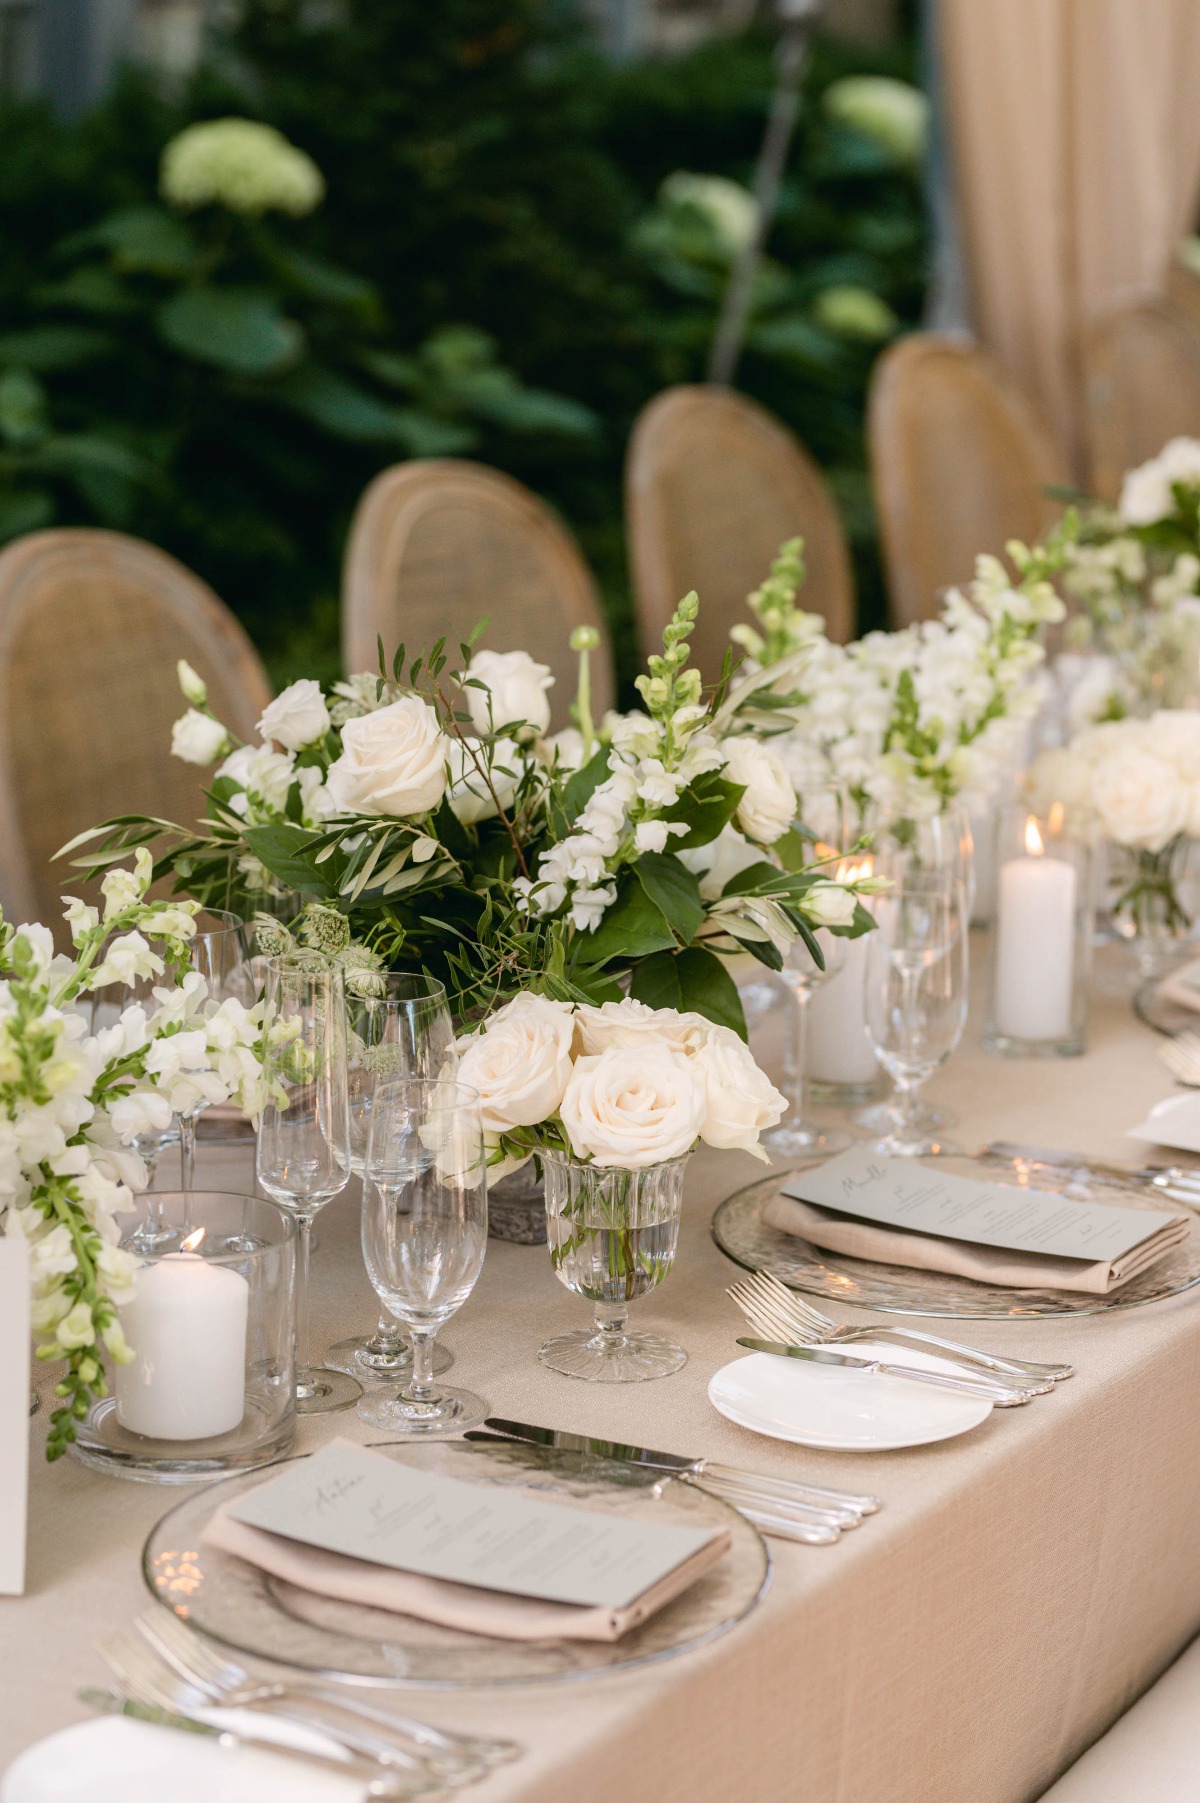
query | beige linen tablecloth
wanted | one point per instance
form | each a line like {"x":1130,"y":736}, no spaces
{"x":1022,"y":1585}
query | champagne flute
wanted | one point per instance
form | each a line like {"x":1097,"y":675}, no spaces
{"x":916,"y":988}
{"x":424,"y":1229}
{"x":303,"y":1153}
{"x":405,"y":1032}
{"x":220,"y":951}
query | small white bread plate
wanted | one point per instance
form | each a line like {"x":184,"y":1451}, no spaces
{"x":1175,"y":1122}
{"x":115,"y":1760}
{"x":844,"y":1411}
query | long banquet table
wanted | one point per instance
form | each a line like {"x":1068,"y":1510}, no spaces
{"x":1021,"y":1586}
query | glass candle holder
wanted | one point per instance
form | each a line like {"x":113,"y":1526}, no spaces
{"x":211,"y":1385}
{"x":1041,"y":938}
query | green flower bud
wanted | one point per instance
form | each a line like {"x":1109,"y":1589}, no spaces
{"x":585,"y":638}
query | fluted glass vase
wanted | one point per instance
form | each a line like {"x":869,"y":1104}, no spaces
{"x":613,"y":1234}
{"x":1145,"y":902}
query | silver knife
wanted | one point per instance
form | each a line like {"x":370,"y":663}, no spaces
{"x":706,"y":1470}
{"x":1173,"y":1180}
{"x":985,"y":1388}
{"x":391,"y":1787}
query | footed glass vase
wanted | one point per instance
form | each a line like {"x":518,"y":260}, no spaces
{"x":613,"y":1234}
{"x":1145,"y":903}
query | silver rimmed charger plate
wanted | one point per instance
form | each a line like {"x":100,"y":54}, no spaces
{"x":742,"y":1235}
{"x":246,"y":1610}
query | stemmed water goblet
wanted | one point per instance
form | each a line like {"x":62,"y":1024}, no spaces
{"x":795,"y":1137}
{"x":303,"y":1152}
{"x":220,"y":951}
{"x":424,"y":1231}
{"x":406,"y":1031}
{"x":916,"y":981}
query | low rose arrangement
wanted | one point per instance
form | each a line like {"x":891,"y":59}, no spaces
{"x":74,"y":1102}
{"x":619,"y":1085}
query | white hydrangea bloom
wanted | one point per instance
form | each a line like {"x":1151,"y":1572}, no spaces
{"x":240,"y":164}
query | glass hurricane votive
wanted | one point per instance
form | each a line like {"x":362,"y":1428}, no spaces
{"x":613,"y":1234}
{"x":1041,"y":937}
{"x":211,"y":1385}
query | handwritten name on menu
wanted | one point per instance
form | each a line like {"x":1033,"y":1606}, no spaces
{"x":895,"y":1192}
{"x":349,"y":1500}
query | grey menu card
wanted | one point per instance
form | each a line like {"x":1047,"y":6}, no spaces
{"x":895,"y":1192}
{"x":348,"y":1499}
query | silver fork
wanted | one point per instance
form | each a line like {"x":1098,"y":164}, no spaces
{"x":145,"y":1680}
{"x":772,"y":1324}
{"x":821,"y":1327}
{"x":452,"y":1758}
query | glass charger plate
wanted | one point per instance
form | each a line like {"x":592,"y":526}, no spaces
{"x":253,"y":1613}
{"x":1165,"y":1016}
{"x":742,"y":1235}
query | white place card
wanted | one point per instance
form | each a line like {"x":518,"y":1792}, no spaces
{"x":14,"y":1412}
{"x":347,"y":1499}
{"x":895,"y":1192}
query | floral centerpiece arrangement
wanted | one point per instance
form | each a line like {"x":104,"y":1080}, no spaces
{"x":1134,"y":783}
{"x":431,"y":808}
{"x":907,"y":721}
{"x":73,"y":1103}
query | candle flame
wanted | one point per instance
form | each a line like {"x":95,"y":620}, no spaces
{"x":192,"y":1242}
{"x":852,"y":870}
{"x":1033,"y":839}
{"x":1055,"y":818}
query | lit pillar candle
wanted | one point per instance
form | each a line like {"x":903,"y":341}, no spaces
{"x":838,"y":1048}
{"x":186,"y":1325}
{"x":1035,"y":946}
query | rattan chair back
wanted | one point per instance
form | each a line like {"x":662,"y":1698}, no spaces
{"x":1142,"y":384}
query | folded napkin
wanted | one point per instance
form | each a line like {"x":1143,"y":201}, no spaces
{"x":450,"y":1605}
{"x":1182,"y":986}
{"x":985,"y":1264}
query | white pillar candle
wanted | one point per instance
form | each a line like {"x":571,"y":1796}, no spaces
{"x":1035,"y":946}
{"x":838,"y":1048}
{"x":187,"y":1328}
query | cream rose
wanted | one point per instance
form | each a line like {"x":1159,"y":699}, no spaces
{"x":393,"y":761}
{"x":634,"y":1106}
{"x":296,"y":718}
{"x":741,"y":1099}
{"x":768,"y":807}
{"x":516,"y":686}
{"x":632,"y":1023}
{"x":520,"y":1063}
{"x":1139,"y":799}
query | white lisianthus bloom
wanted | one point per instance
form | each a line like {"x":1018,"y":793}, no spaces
{"x":829,"y":905}
{"x":633,"y":1023}
{"x":193,"y":686}
{"x":520,"y":1062}
{"x":634,"y":1106}
{"x":768,"y":807}
{"x":261,"y":773}
{"x":482,"y":775}
{"x":514,"y":692}
{"x":198,"y":739}
{"x":742,"y":1100}
{"x":393,"y":762}
{"x":297,"y":718}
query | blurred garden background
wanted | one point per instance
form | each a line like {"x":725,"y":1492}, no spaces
{"x":516,"y":227}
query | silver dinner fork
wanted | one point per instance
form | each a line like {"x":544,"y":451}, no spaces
{"x":453,"y":1758}
{"x":144,"y":1679}
{"x":790,"y":1318}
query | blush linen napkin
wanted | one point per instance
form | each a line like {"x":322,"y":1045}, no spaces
{"x":985,"y":1264}
{"x":450,"y":1605}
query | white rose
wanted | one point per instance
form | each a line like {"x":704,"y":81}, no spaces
{"x":296,"y":718}
{"x":519,"y":1062}
{"x":720,"y":861}
{"x":1139,"y":799}
{"x":196,"y":739}
{"x":742,"y":1100}
{"x":829,"y":905}
{"x":633,"y":1023}
{"x":768,"y":807}
{"x":472,"y":767}
{"x":634,"y":1106}
{"x":517,"y":689}
{"x":393,"y":761}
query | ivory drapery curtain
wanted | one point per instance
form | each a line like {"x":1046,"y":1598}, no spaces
{"x":1074,"y":132}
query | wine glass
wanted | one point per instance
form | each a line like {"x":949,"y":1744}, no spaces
{"x":916,"y":985}
{"x":405,"y":1032}
{"x":424,"y":1231}
{"x":220,"y":951}
{"x":303,"y":1153}
{"x":795,"y":1137}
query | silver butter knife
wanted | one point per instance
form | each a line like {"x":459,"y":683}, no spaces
{"x":705,"y":1470}
{"x":390,"y":1787}
{"x":985,"y":1388}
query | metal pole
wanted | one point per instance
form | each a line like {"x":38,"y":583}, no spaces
{"x":799,"y":17}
